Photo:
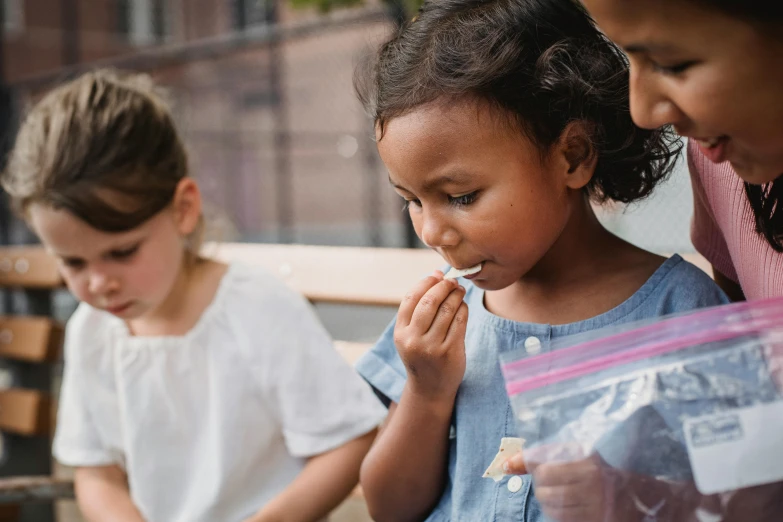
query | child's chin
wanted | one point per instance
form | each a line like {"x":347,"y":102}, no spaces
{"x":489,"y":284}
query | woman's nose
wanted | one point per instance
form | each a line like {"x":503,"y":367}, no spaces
{"x":651,"y":108}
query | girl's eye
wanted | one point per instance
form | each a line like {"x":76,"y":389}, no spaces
{"x":122,"y":255}
{"x":673,"y":70}
{"x":410,"y":202}
{"x":461,"y":201}
{"x":73,"y":264}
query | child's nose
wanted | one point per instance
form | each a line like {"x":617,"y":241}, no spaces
{"x":437,"y":232}
{"x":100,"y":283}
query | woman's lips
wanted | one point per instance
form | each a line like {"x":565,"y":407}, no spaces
{"x":713,"y":148}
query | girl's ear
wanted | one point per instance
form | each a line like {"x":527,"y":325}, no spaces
{"x":187,"y":206}
{"x":577,"y":153}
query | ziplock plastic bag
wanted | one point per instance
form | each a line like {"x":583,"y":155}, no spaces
{"x":683,"y":414}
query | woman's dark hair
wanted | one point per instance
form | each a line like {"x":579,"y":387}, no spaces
{"x":765,"y":200}
{"x":543,"y":62}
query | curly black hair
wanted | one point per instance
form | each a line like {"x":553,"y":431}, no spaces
{"x":543,"y":62}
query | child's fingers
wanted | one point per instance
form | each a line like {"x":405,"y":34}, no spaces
{"x":413,"y":297}
{"x":430,"y":302}
{"x":445,"y":314}
{"x":459,"y":322}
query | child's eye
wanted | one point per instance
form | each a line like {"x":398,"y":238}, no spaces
{"x":125,"y":254}
{"x":465,"y":200}
{"x":410,"y":202}
{"x":72,"y":263}
{"x":673,"y":70}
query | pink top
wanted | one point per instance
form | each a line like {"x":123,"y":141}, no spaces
{"x":724,"y":230}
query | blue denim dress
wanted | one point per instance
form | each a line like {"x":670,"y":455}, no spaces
{"x":482,"y":413}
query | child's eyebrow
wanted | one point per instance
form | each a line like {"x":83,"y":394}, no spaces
{"x":432,"y":184}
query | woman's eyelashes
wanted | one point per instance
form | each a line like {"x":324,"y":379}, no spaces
{"x":456,"y":201}
{"x":673,"y":70}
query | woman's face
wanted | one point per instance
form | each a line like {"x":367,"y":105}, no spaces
{"x":716,"y":78}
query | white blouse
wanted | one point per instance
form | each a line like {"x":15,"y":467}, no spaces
{"x":211,"y":425}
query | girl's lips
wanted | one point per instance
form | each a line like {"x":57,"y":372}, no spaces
{"x":116,"y":310}
{"x":713,"y":148}
{"x":472,"y":276}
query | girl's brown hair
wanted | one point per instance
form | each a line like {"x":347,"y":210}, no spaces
{"x":103,"y":147}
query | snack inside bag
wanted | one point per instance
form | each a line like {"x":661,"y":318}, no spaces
{"x":689,"y":406}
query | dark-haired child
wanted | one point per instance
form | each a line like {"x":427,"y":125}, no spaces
{"x":500,"y":122}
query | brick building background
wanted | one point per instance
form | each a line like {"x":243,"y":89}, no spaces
{"x":262,"y":93}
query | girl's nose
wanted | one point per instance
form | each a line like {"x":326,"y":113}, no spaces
{"x":436,"y":232}
{"x":100,"y":283}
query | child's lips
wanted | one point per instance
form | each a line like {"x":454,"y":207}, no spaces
{"x":468,"y":273}
{"x":118,"y":309}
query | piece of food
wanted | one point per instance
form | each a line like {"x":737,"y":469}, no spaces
{"x":454,"y":273}
{"x":509,"y":446}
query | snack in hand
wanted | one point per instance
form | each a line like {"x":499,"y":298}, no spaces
{"x":454,"y":273}
{"x":509,"y":446}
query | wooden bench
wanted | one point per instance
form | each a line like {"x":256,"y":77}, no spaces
{"x":334,"y":275}
{"x":30,"y":343}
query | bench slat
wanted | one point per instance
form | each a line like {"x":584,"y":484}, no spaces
{"x":349,"y":275}
{"x":35,"y":489}
{"x":28,"y":267}
{"x":25,"y":412}
{"x":32,"y":339}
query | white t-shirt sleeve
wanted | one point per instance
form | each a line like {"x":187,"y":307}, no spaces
{"x":322,"y":402}
{"x":76,"y":440}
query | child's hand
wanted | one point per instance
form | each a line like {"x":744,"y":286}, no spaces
{"x":430,"y":337}
{"x":573,"y":491}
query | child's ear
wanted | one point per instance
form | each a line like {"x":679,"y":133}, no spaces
{"x":187,"y":206}
{"x":578,"y":155}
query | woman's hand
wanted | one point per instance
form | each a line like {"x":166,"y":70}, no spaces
{"x":573,"y":491}
{"x":430,"y":338}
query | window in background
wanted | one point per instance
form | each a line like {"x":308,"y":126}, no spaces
{"x":12,"y":15}
{"x":252,"y":13}
{"x":144,"y":22}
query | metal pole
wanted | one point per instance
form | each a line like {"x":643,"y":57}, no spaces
{"x":372,"y":189}
{"x":282,"y":135}
{"x":70,"y":32}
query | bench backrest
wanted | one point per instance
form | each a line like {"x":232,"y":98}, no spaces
{"x":30,"y":342}
{"x":347,"y":275}
{"x":343,"y":275}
